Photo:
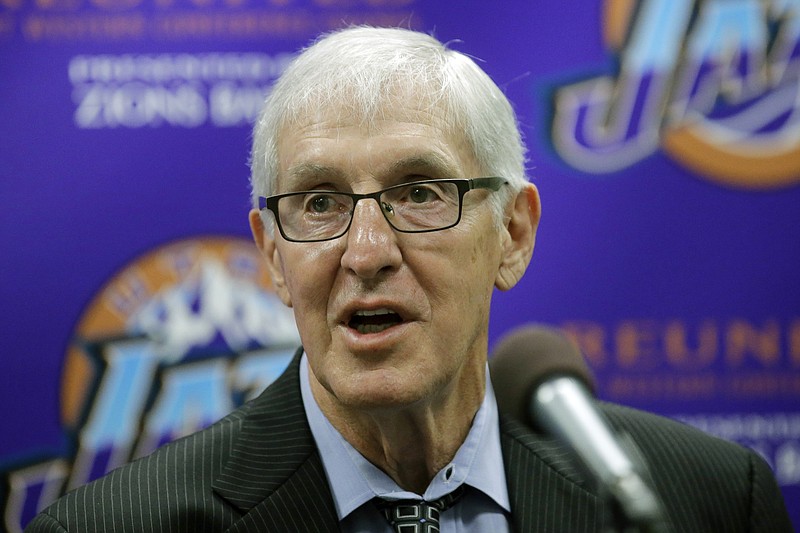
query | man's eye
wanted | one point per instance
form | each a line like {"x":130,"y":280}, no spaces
{"x":420,"y":195}
{"x":321,"y":204}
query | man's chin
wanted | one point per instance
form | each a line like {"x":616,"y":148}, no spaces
{"x":380,"y":396}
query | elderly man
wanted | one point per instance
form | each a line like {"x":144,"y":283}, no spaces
{"x":390,"y":199}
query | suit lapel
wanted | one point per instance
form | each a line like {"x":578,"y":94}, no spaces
{"x":274,"y":474}
{"x":275,"y":477}
{"x":547,"y":492}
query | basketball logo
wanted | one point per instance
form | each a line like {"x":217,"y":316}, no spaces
{"x":173,"y":342}
{"x":715,"y":85}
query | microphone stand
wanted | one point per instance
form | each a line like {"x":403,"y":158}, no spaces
{"x":635,"y":508}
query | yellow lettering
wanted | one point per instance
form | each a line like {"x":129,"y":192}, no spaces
{"x":764,"y":385}
{"x":635,"y":341}
{"x":678,"y":352}
{"x":620,"y":387}
{"x":11,"y":4}
{"x":6,"y":26}
{"x":794,"y":343}
{"x":37,"y":28}
{"x":659,"y":387}
{"x":116,"y":5}
{"x":742,"y":338}
{"x":389,"y":3}
{"x":58,"y":5}
{"x":590,"y":338}
{"x":234,"y":3}
{"x":201,"y":3}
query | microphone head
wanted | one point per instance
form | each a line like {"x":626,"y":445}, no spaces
{"x":526,"y":357}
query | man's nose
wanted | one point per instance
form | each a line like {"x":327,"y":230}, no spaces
{"x":371,"y":243}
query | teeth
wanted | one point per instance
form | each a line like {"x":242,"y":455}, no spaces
{"x":374,"y":320}
{"x":374,"y":312}
{"x":372,"y":328}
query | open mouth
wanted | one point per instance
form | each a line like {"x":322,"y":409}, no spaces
{"x":374,"y":321}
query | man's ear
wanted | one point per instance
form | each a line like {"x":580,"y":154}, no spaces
{"x":523,"y":220}
{"x":266,"y":244}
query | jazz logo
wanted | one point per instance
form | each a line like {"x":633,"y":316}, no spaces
{"x":714,"y":83}
{"x":172,"y":343}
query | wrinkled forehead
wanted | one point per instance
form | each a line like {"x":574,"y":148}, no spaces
{"x":371,"y":117}
{"x":367,"y":106}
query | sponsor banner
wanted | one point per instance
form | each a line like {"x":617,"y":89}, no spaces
{"x":170,"y":344}
{"x":713,"y":84}
{"x":181,"y":90}
{"x":776,"y":436}
{"x":664,"y":364}
{"x":664,"y":136}
{"x":173,"y":21}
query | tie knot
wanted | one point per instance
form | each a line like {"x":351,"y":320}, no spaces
{"x":414,"y":516}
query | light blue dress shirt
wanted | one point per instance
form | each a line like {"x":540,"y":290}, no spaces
{"x":355,"y":481}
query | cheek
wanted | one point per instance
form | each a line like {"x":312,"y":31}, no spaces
{"x":309,"y":271}
{"x":464,"y":278}
{"x":484,"y":267}
{"x":484,"y":255}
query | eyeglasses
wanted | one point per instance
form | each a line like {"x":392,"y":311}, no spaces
{"x":417,"y":207}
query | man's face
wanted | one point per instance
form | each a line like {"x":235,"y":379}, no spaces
{"x":387,"y":319}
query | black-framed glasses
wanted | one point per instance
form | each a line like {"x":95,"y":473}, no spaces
{"x":416,"y":207}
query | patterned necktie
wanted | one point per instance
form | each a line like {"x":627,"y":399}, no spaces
{"x":414,"y":516}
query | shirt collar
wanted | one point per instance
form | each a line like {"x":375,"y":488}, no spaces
{"x":355,"y":481}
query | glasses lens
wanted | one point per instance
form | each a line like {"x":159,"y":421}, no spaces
{"x":421,"y":206}
{"x":315,"y":216}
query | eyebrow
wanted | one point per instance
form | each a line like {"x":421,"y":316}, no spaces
{"x":429,"y":162}
{"x":302,"y":175}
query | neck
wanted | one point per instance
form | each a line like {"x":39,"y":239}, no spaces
{"x":413,"y":443}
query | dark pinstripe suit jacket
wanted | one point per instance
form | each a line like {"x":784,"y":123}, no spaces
{"x":258,"y":470}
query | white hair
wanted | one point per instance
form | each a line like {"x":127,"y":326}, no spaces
{"x":358,"y":70}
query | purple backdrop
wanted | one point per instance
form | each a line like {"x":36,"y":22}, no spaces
{"x":668,"y":247}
